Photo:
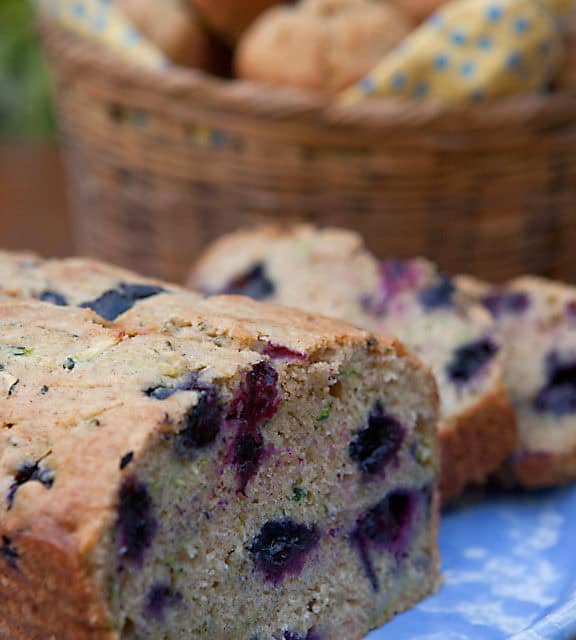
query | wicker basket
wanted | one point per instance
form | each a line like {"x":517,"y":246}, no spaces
{"x":161,"y":163}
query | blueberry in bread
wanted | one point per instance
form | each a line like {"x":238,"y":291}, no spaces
{"x":537,"y":321}
{"x":329,"y":271}
{"x":204,"y":468}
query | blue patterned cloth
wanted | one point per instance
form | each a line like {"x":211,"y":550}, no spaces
{"x":473,"y":51}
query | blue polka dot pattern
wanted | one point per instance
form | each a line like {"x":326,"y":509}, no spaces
{"x":501,"y":47}
{"x":398,"y":81}
{"x":79,"y":9}
{"x":368,"y":85}
{"x":485,"y":43}
{"x":459,"y":38}
{"x":494,"y":13}
{"x":468,"y":68}
{"x":521,"y":25}
{"x":421,"y":89}
{"x":442,"y":61}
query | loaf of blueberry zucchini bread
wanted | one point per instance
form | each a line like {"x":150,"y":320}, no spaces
{"x":537,"y":321}
{"x":330,"y":271}
{"x":193,"y":468}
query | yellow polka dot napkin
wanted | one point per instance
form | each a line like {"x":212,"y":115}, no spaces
{"x":473,"y":51}
{"x":100,"y":21}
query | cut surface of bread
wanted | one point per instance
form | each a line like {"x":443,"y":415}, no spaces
{"x":204,"y":468}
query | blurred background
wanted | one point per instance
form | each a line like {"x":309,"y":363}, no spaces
{"x":33,"y":208}
{"x":173,"y":138}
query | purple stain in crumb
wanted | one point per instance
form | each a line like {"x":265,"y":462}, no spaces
{"x":248,"y":450}
{"x":30,"y":472}
{"x":281,"y":548}
{"x":506,"y":302}
{"x":115,"y":302}
{"x":558,"y":396}
{"x":438,"y":295}
{"x":255,"y":402}
{"x":136,"y":525}
{"x":374,"y":447}
{"x":396,"y":276}
{"x":254,"y":283}
{"x":160,"y":598}
{"x":257,"y":399}
{"x":571,"y":309}
{"x":384,"y":527}
{"x":279,"y":352}
{"x":470,"y":359}
{"x":53,"y":297}
{"x":292,"y":635}
{"x":9,"y":553}
{"x":201,"y":426}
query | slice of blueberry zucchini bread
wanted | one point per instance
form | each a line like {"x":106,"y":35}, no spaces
{"x":330,"y":271}
{"x":209,"y":469}
{"x":537,"y":320}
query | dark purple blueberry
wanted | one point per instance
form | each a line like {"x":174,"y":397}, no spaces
{"x":374,"y":447}
{"x":438,"y":295}
{"x":255,"y":402}
{"x":109,"y":305}
{"x":292,"y":635}
{"x":254,"y":283}
{"x":137,"y":292}
{"x":257,"y":399}
{"x":248,"y":450}
{"x":30,"y":472}
{"x":201,"y":426}
{"x":571,"y":309}
{"x":136,"y":525}
{"x":115,"y":302}
{"x":506,"y":302}
{"x":53,"y":297}
{"x":279,"y":352}
{"x":396,"y":276}
{"x":126,"y":460}
{"x":558,"y":396}
{"x":385,"y":527}
{"x":281,"y":548}
{"x":470,"y":359}
{"x":160,"y":598}
{"x":9,"y":553}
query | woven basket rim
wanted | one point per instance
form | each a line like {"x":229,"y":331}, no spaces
{"x":258,"y":100}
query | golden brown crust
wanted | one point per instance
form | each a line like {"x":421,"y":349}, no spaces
{"x":46,"y":591}
{"x":476,"y":443}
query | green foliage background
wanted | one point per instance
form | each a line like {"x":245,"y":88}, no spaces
{"x":25,"y":109}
